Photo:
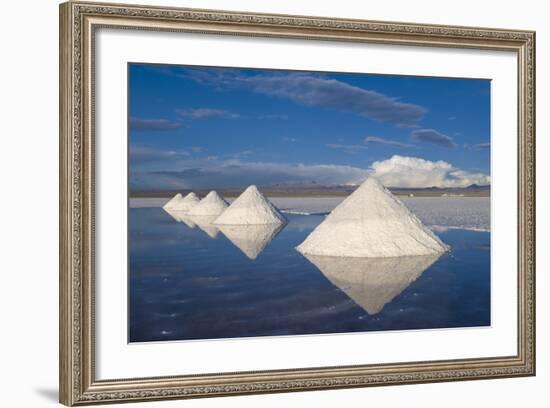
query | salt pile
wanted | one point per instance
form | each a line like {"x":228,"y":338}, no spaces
{"x":187,"y":202}
{"x":372,"y":282}
{"x":251,"y":208}
{"x":251,"y":239}
{"x":212,"y":204}
{"x":371,"y":222}
{"x":173,"y":202}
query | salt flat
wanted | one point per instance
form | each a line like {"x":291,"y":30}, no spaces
{"x":438,"y":213}
{"x":471,"y":213}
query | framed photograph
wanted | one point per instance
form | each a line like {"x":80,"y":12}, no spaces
{"x":256,"y":203}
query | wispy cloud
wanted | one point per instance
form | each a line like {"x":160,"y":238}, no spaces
{"x":240,"y":155}
{"x":142,"y":124}
{"x":381,"y":141}
{"x":207,"y":113}
{"x":413,"y":172}
{"x":482,"y":146}
{"x":312,"y":90}
{"x":346,"y":148}
{"x":274,"y":116}
{"x":316,"y":90}
{"x":211,"y":76}
{"x":236,"y":173}
{"x":434,"y":137}
{"x":289,"y":139}
{"x":140,"y":155}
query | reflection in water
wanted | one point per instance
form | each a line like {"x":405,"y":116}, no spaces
{"x":251,"y":239}
{"x":183,"y":285}
{"x":372,"y":282}
{"x":181,"y":216}
{"x":205,"y":223}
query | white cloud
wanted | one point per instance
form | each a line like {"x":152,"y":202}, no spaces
{"x":412,"y":172}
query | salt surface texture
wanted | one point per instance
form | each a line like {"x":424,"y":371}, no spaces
{"x":212,"y":204}
{"x":187,"y":202}
{"x":251,"y":208}
{"x":251,"y":239}
{"x":372,"y":282}
{"x":371,"y":222}
{"x":173,"y":202}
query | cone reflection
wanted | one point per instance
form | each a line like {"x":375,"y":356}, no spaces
{"x":205,"y":223}
{"x":372,"y":282}
{"x":251,"y":239}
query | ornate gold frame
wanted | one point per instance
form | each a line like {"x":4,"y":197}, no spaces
{"x":78,"y":21}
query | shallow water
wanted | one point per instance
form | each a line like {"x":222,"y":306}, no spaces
{"x":189,"y":280}
{"x":437,"y":213}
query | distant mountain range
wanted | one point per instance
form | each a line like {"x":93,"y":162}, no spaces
{"x":312,"y":189}
{"x":473,"y":189}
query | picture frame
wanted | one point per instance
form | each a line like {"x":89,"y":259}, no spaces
{"x":79,"y":22}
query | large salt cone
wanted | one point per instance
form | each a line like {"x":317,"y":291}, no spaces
{"x":371,"y":223}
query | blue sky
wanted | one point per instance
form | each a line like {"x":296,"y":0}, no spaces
{"x":203,"y":128}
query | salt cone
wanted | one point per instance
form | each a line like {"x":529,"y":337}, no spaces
{"x":371,"y":223}
{"x":251,"y":208}
{"x":210,"y":205}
